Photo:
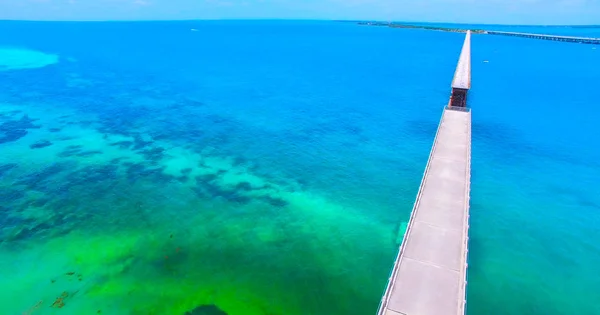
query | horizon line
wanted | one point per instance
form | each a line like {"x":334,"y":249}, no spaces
{"x":290,"y":19}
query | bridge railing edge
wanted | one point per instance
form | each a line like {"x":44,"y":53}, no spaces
{"x":463,"y":290}
{"x":391,"y":282}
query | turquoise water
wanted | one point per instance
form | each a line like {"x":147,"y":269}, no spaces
{"x":266,"y":167}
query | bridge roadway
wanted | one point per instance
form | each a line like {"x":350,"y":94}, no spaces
{"x":429,"y":274}
{"x":462,"y":75}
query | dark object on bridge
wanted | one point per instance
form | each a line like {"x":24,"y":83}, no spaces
{"x":458,"y":98}
{"x":206,"y":310}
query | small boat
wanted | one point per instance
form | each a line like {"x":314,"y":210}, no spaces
{"x":194,"y":30}
{"x":485,"y":61}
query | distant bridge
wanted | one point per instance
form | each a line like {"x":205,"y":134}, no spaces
{"x":560,"y":38}
{"x":572,"y":39}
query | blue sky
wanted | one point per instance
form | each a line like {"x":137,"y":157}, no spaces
{"x":466,"y":11}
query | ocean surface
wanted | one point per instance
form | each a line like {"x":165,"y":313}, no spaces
{"x":267,"y":168}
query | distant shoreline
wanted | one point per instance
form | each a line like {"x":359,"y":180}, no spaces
{"x":431,"y":28}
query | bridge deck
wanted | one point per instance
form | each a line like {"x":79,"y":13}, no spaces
{"x":462,"y":75}
{"x":429,"y":276}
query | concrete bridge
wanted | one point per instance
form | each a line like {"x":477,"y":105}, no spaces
{"x":429,"y":274}
{"x":573,"y":39}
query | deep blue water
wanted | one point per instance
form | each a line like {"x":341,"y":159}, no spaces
{"x":266,"y":167}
